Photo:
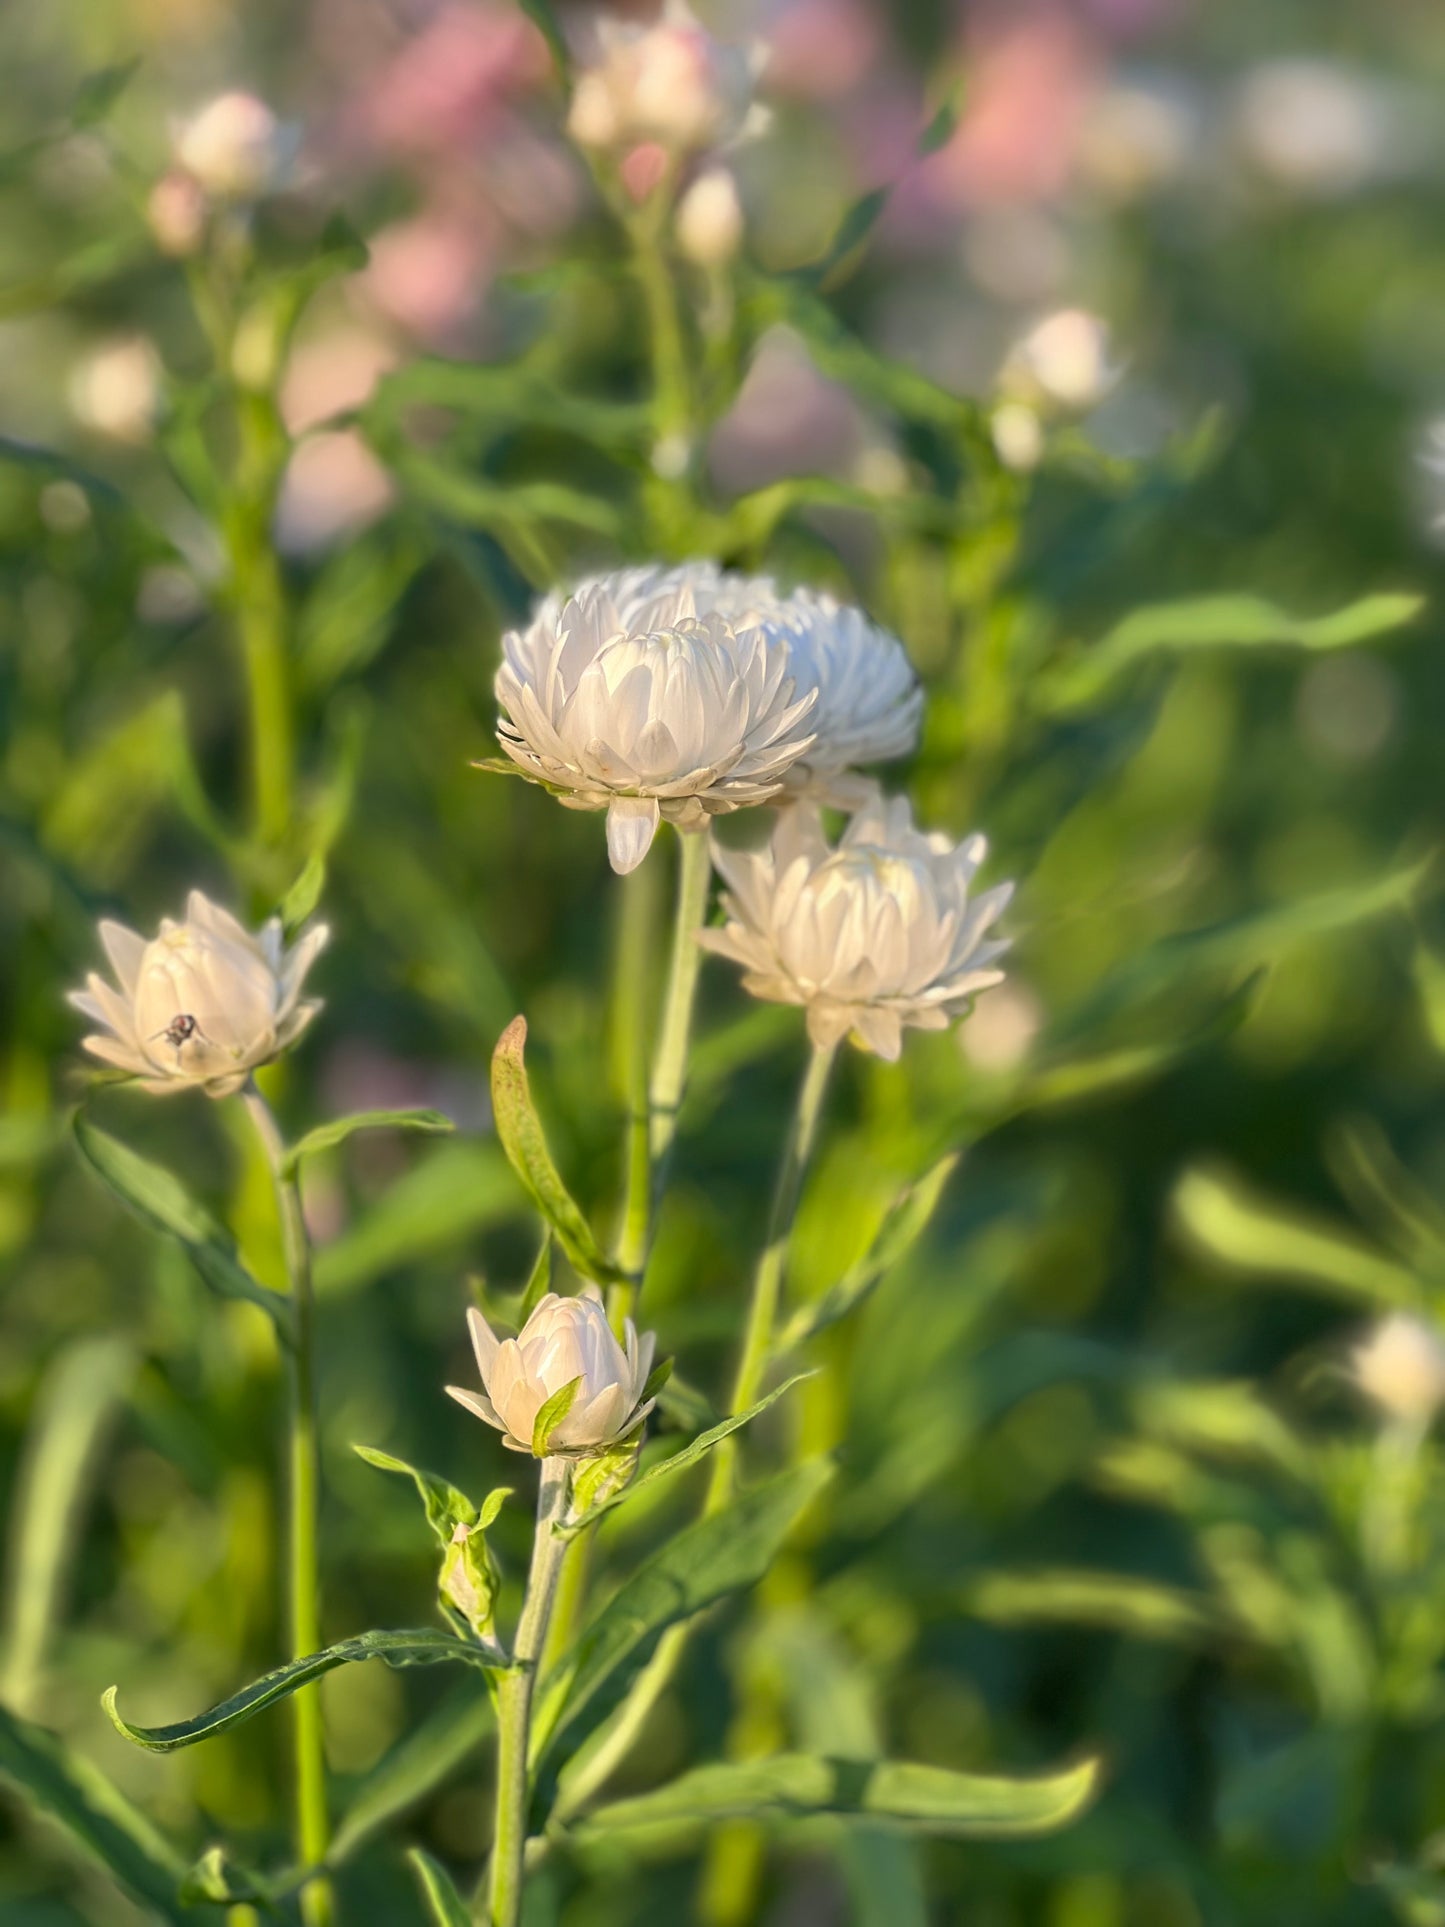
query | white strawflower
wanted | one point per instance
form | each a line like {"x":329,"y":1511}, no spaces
{"x":634,"y":696}
{"x":869,"y":937}
{"x":202,"y":1003}
{"x":669,"y":82}
{"x":709,"y":219}
{"x":234,"y":147}
{"x":565,"y":1339}
{"x":1400,"y":1365}
{"x":1064,"y":359}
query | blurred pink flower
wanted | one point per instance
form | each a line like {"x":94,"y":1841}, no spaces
{"x":787,"y":420}
{"x":330,"y":373}
{"x":642,"y":169}
{"x":820,"y":49}
{"x":333,"y":487}
{"x":429,"y":274}
{"x":447,"y":87}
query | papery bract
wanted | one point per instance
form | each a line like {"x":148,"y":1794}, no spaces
{"x":873,"y":936}
{"x":204,"y":1002}
{"x":565,"y":1339}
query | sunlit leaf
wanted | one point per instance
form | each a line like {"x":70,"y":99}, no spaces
{"x":305,"y":893}
{"x":160,"y":1200}
{"x":446,"y":1506}
{"x":444,"y":1903}
{"x":897,"y":1793}
{"x":422,"y":1647}
{"x":341,"y":1128}
{"x":551,"y":1414}
{"x":520,"y":1131}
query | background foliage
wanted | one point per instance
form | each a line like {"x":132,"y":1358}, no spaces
{"x":1102,"y":1482}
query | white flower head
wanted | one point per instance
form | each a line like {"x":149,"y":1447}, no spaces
{"x":669,"y":81}
{"x":870,"y":937}
{"x":1400,"y":1367}
{"x":234,"y":147}
{"x":565,"y":1339}
{"x":635,"y":696}
{"x":203,"y":1002}
{"x":1064,"y":360}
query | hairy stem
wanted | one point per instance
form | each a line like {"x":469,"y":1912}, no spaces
{"x":514,"y":1701}
{"x":313,"y":1827}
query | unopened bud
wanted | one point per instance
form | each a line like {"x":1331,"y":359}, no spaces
{"x":177,"y":213}
{"x":710,"y":219}
{"x":1400,"y":1366}
{"x":233,"y":147}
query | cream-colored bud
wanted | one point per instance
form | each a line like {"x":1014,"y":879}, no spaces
{"x":669,"y":81}
{"x":1400,"y":1367}
{"x":565,"y":1341}
{"x":1018,"y":436}
{"x":177,"y":211}
{"x":116,"y":389}
{"x":203,"y":1003}
{"x":1064,"y":359}
{"x":233,"y":147}
{"x":710,"y":219}
{"x":592,"y":119}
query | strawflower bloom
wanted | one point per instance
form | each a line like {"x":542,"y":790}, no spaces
{"x":669,"y":81}
{"x":203,"y":1003}
{"x":871,"y":937}
{"x":635,"y":696}
{"x":564,"y":1339}
{"x":1400,"y":1367}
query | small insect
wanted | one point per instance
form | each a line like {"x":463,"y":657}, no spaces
{"x":180,"y":1030}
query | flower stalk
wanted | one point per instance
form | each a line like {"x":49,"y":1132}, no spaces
{"x":515,"y":1690}
{"x":313,"y":1827}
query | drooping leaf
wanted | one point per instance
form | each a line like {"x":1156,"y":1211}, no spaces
{"x":421,"y":1647}
{"x":689,"y":1455}
{"x":446,"y":1506}
{"x":523,"y":1140}
{"x":73,"y":1793}
{"x":160,"y":1200}
{"x":896,"y":1793}
{"x":1228,"y":1222}
{"x":417,"y":1764}
{"x":1219,"y":622}
{"x":906,"y":1221}
{"x":444,"y":1903}
{"x":305,"y":893}
{"x":341,"y":1128}
{"x":706,"y":1561}
{"x":551,"y":1415}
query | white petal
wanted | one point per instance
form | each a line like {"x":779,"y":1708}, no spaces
{"x":631,"y":825}
{"x":484,"y":1342}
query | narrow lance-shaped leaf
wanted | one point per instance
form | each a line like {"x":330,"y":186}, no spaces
{"x":65,"y":1787}
{"x":906,"y":1221}
{"x":341,"y":1128}
{"x":446,"y":1506}
{"x":689,"y":1455}
{"x":161,"y":1201}
{"x":304,"y":895}
{"x":420,"y":1647}
{"x":444,"y":1904}
{"x":705,"y":1562}
{"x":891,"y":1793}
{"x":523,"y":1140}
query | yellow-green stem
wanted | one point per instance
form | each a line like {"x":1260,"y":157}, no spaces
{"x":514,"y":1702}
{"x":313,"y":1827}
{"x":259,"y":601}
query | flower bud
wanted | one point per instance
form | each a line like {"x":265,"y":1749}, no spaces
{"x":469,"y":1578}
{"x":205,"y":1002}
{"x":116,"y":389}
{"x":669,"y":82}
{"x":1064,"y":360}
{"x":565,"y":1342}
{"x":1400,"y":1366}
{"x":877,"y":934}
{"x":177,"y":211}
{"x":709,"y":219}
{"x":233,"y":147}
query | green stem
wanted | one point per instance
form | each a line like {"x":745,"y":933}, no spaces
{"x":259,"y":599}
{"x":669,"y":1066}
{"x":633,"y":1005}
{"x":514,"y":1700}
{"x":592,"y":1769}
{"x":768,"y":1279}
{"x":313,"y":1827}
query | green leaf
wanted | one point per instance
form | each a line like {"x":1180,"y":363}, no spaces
{"x":417,"y":1764}
{"x":305,"y":893}
{"x":893,"y":1793}
{"x":551,"y":1416}
{"x":58,"y":1783}
{"x":523,"y":1140}
{"x":540,"y":13}
{"x":445,"y":1904}
{"x":446,"y":1506}
{"x":99,"y":92}
{"x":1236,"y":1227}
{"x":539,"y":1279}
{"x":1219,"y":622}
{"x":349,"y":615}
{"x":1116,"y":1602}
{"x":689,"y":1455}
{"x":905,"y":1223}
{"x":704,"y":1562}
{"x":422,"y":1647}
{"x":161,"y":1201}
{"x":434,"y":1208}
{"x":341,"y":1128}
